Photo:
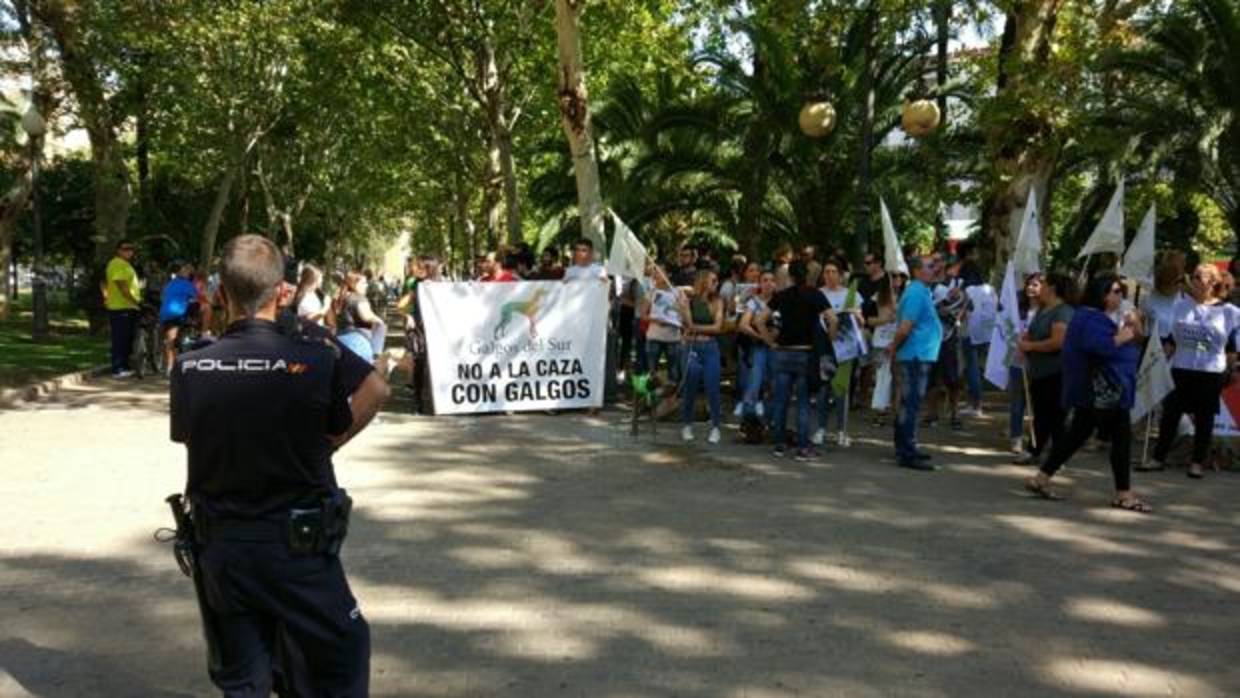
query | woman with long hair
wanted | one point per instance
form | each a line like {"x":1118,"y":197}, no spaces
{"x":1042,"y":344}
{"x":1099,"y":383}
{"x":310,"y":307}
{"x":1168,"y":290}
{"x":703,"y":321}
{"x":1028,"y":302}
{"x":831,"y":285}
{"x":755,"y":340}
{"x":883,"y":328}
{"x":355,"y":321}
{"x":1203,"y":325}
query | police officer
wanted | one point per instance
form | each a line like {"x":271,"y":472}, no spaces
{"x":261,"y":413}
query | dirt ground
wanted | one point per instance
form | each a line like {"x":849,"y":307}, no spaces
{"x":537,"y":555}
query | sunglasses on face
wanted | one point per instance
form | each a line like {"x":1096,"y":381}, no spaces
{"x":1120,"y":290}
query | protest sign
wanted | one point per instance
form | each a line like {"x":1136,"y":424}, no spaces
{"x":532,"y":345}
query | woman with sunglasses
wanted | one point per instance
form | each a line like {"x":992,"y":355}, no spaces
{"x":1203,"y":325}
{"x":1099,"y":364}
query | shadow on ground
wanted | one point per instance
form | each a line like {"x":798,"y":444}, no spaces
{"x":542,"y":556}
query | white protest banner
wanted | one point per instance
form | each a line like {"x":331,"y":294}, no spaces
{"x":1002,"y":352}
{"x":1108,"y":236}
{"x":1138,"y":262}
{"x":1154,"y":381}
{"x":529,"y":345}
{"x":1227,"y":422}
{"x":628,"y":256}
{"x":1028,"y":253}
{"x":893,"y":256}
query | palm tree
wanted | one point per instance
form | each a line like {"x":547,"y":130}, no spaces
{"x":1182,"y":110}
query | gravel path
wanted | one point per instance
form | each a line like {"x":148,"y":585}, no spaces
{"x":537,"y":555}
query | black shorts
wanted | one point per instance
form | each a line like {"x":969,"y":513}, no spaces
{"x":1196,"y":392}
{"x":946,"y":371}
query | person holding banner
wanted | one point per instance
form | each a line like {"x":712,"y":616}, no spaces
{"x":1099,"y":384}
{"x":663,"y":324}
{"x":755,"y":340}
{"x":703,"y":321}
{"x":847,"y":350}
{"x":1041,"y":345}
{"x":1205,"y":323}
{"x":1028,"y":302}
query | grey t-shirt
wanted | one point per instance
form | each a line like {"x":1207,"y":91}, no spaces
{"x":1040,"y":363}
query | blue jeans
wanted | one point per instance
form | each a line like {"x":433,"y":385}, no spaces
{"x":756,"y":373}
{"x":701,"y":365}
{"x":1016,"y":402}
{"x":973,"y":354}
{"x":914,"y":376}
{"x":829,"y":400}
{"x":655,"y":349}
{"x":791,"y":372}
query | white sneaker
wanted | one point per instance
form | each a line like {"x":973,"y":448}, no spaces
{"x":686,"y":433}
{"x":843,"y":440}
{"x":715,"y":436}
{"x":970,"y":411}
{"x":123,"y":374}
{"x":740,"y":409}
{"x":818,"y":437}
{"x":758,"y":409}
{"x":1018,"y":446}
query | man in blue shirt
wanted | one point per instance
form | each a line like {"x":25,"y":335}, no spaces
{"x":178,"y":304}
{"x":919,"y":334}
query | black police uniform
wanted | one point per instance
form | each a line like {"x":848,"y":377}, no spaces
{"x":255,"y":410}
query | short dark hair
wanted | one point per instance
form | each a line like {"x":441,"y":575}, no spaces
{"x":583,"y":242}
{"x":250,"y":268}
{"x":797,"y":271}
{"x":1097,"y":290}
{"x":123,"y":243}
{"x":1064,"y":287}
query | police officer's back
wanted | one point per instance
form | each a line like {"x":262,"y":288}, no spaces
{"x":261,"y":413}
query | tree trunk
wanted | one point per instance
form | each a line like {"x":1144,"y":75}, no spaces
{"x":493,"y":194}
{"x":110,"y":174}
{"x":495,"y":104}
{"x":861,"y":237}
{"x":757,"y":174}
{"x":575,"y":117}
{"x":942,"y":18}
{"x":1022,"y":150}
{"x":212,"y":227}
{"x":11,"y":208}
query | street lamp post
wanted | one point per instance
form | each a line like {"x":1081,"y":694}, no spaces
{"x":34,"y":126}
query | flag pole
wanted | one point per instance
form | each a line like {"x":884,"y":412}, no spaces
{"x":1145,"y":448}
{"x":1033,"y":434}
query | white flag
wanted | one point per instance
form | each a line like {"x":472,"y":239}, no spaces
{"x":1139,"y":259}
{"x":1028,"y":253}
{"x":1109,"y":235}
{"x":893,"y":256}
{"x":628,"y":256}
{"x":1007,"y":330}
{"x":1154,"y":381}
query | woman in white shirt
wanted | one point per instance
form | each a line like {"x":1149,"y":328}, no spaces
{"x":310,"y":307}
{"x":1204,"y":325}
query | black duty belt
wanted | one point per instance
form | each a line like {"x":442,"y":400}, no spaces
{"x":317,"y":529}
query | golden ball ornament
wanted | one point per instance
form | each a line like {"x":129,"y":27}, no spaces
{"x":920,"y":117}
{"x":817,"y":119}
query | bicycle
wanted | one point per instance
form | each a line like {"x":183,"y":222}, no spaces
{"x":146,"y":342}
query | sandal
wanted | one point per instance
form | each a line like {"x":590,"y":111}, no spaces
{"x":1132,"y":504}
{"x":1033,"y":486}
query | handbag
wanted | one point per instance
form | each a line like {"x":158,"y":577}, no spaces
{"x":1106,"y":391}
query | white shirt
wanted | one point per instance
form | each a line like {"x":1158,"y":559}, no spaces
{"x":590,"y":272}
{"x":310,"y":306}
{"x":983,"y":312}
{"x":1201,"y":334}
{"x":1161,"y":309}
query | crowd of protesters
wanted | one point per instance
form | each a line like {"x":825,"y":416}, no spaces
{"x":807,"y":341}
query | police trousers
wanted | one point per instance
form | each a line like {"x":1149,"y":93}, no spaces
{"x":264,"y":598}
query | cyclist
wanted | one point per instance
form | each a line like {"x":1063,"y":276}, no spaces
{"x":178,"y":307}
